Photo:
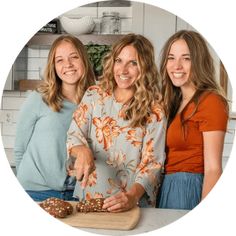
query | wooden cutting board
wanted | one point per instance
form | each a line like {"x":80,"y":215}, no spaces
{"x":104,"y":220}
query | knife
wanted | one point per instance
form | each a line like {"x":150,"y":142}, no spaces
{"x":83,"y":195}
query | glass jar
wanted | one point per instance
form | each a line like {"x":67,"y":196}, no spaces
{"x":110,"y":23}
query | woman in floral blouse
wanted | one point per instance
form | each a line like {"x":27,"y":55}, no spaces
{"x":117,"y":134}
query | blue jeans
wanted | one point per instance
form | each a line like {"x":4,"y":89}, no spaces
{"x":39,"y":196}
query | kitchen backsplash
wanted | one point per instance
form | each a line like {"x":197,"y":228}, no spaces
{"x":10,"y":105}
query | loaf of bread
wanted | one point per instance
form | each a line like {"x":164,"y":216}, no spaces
{"x":92,"y":205}
{"x":57,"y":207}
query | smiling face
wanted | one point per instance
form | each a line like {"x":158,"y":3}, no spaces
{"x":179,"y":64}
{"x":68,"y":64}
{"x":126,"y":69}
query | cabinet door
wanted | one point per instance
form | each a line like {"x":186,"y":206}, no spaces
{"x":159,"y":25}
{"x":154,"y":23}
{"x":181,"y":24}
{"x":9,"y":81}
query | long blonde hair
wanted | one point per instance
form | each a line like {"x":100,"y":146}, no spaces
{"x":202,"y":73}
{"x":146,"y":88}
{"x":51,"y":88}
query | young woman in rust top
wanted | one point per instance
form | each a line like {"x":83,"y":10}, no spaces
{"x":197,"y":114}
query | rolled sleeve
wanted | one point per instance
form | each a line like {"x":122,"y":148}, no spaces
{"x":79,"y":128}
{"x":152,"y":158}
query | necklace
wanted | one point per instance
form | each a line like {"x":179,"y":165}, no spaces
{"x":186,"y":98}
{"x":188,"y":94}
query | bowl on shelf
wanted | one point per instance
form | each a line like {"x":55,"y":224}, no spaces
{"x":77,"y":26}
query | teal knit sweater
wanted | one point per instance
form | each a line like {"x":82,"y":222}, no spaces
{"x":40,"y":144}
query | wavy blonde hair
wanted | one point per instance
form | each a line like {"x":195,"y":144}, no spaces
{"x":51,"y":88}
{"x":202,"y":73}
{"x":146,"y":88}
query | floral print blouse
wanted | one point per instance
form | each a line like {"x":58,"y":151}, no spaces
{"x":123,"y":155}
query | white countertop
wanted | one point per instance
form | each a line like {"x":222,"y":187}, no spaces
{"x":151,"y":219}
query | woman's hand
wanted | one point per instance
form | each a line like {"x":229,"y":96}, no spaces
{"x":123,"y":200}
{"x":84,"y":164}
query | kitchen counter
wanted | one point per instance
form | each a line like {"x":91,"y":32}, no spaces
{"x":151,"y":219}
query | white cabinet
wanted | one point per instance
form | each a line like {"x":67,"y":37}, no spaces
{"x":158,"y":25}
{"x":154,"y":23}
{"x":181,"y":24}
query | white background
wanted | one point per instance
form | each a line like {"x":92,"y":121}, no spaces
{"x":21,"y":19}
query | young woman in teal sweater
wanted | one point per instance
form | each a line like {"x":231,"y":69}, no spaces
{"x":40,"y":145}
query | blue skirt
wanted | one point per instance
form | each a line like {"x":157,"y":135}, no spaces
{"x":180,"y":190}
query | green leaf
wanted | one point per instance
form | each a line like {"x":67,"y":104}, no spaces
{"x":96,"y":53}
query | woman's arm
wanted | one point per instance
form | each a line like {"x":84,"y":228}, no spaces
{"x":148,"y":171}
{"x":25,"y":126}
{"x":77,"y":144}
{"x":83,"y":167}
{"x":213,"y":149}
{"x":124,"y":200}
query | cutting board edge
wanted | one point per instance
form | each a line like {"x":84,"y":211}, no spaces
{"x":108,"y":226}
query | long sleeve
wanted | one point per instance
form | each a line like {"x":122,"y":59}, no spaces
{"x":25,"y":126}
{"x":81,"y":122}
{"x":123,"y":155}
{"x":152,"y":158}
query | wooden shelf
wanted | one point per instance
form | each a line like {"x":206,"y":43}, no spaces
{"x":27,"y":84}
{"x":46,"y":40}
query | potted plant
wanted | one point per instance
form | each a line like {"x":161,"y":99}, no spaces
{"x":96,"y":53}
